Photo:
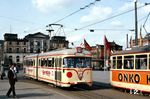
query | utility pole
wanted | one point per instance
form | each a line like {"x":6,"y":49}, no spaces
{"x":136,"y":24}
{"x":127,"y":41}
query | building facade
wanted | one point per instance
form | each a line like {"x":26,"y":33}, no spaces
{"x":98,"y":54}
{"x":142,"y":41}
{"x":37,"y":42}
{"x":58,"y":42}
{"x":14,"y":49}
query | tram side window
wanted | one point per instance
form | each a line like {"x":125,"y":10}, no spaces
{"x":49,"y":62}
{"x":46,"y":62}
{"x":119,"y":62}
{"x":31,"y":63}
{"x":141,"y":62}
{"x":52,"y":62}
{"x":42,"y":62}
{"x":128,"y":62}
{"x":114,"y":63}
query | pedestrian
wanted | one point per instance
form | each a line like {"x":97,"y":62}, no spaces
{"x":15,"y":71}
{"x":12,"y":80}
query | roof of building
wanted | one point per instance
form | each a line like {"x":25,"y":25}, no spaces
{"x":37,"y":35}
{"x":137,"y":49}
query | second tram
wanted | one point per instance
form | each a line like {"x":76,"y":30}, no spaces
{"x":60,"y":67}
{"x":130,"y":69}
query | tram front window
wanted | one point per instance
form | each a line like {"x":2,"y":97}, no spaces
{"x":77,"y":62}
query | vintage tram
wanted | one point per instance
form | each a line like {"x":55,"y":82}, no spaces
{"x":62,"y":68}
{"x":130,"y":69}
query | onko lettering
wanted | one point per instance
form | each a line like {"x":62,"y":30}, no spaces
{"x":132,"y":78}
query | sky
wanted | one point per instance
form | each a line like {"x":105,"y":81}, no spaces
{"x":30,"y":16}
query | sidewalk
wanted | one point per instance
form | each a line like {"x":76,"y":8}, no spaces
{"x":27,"y":90}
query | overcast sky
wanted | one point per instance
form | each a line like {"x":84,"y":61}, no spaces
{"x":31,"y":16}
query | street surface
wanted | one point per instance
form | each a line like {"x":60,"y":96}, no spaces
{"x":101,"y":89}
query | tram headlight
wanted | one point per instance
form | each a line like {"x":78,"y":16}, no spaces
{"x":69,"y":74}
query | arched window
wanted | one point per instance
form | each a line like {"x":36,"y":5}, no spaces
{"x":17,"y":58}
{"x":10,"y":59}
{"x":24,"y":50}
{"x":10,"y":50}
{"x":17,"y":50}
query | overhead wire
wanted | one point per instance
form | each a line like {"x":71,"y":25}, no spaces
{"x":109,"y":18}
{"x":82,"y":8}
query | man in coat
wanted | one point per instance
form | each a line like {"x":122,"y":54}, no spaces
{"x":12,"y":80}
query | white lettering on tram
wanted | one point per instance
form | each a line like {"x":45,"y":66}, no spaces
{"x":133,"y":78}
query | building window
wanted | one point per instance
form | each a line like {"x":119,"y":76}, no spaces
{"x":17,"y":50}
{"x":10,"y":50}
{"x":31,"y":50}
{"x":31,"y":43}
{"x":17,"y":59}
{"x":24,"y":43}
{"x":24,"y":50}
{"x":38,"y":51}
{"x":10,"y":43}
{"x":10,"y":60}
{"x":38,"y":43}
{"x":17,"y":42}
{"x":45,"y":44}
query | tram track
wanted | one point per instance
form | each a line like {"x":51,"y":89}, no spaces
{"x":97,"y":91}
{"x":76,"y":92}
{"x":89,"y":95}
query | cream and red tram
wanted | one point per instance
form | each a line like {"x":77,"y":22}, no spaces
{"x":60,"y":67}
{"x":130,"y":69}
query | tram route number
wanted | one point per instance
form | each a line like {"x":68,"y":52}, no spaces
{"x":133,"y":78}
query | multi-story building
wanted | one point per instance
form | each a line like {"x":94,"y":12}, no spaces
{"x":37,"y":42}
{"x":40,"y":42}
{"x":14,"y":49}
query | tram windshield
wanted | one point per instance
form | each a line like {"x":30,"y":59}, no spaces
{"x":77,"y":62}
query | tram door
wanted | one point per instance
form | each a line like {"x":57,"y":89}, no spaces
{"x":58,"y":63}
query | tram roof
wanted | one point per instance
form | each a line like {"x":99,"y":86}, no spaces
{"x":143,"y":49}
{"x":64,"y":52}
{"x":61,"y":52}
